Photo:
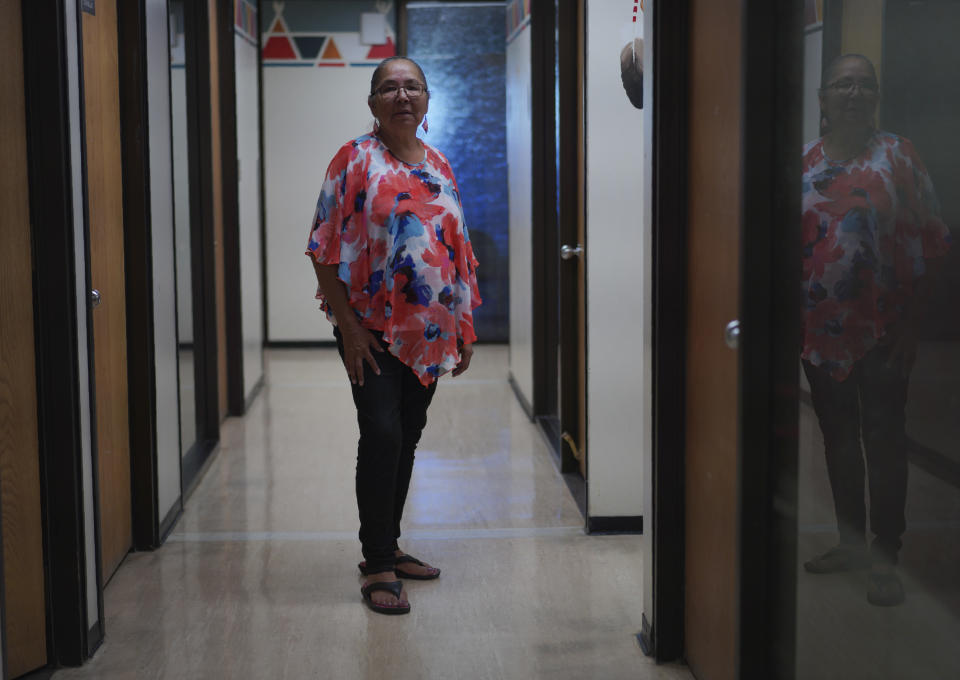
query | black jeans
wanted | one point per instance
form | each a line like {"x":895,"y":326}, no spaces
{"x":391,"y":412}
{"x":869,"y":403}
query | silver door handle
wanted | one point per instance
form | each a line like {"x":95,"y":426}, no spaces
{"x":570,"y":252}
{"x":94,"y":298}
{"x":731,"y":334}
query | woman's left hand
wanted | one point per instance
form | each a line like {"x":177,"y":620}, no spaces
{"x":466,"y":353}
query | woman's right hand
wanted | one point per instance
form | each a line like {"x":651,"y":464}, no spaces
{"x":357,"y":343}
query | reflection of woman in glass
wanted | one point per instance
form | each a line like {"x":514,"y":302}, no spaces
{"x":397,"y":277}
{"x":871,"y":227}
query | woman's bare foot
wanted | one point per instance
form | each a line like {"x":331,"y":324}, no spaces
{"x":383,"y":598}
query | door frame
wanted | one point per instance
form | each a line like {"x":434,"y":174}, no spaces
{"x":557,"y":42}
{"x":662,"y":622}
{"x":230,"y":173}
{"x":571,"y":38}
{"x":202,"y":249}
{"x":770,"y":325}
{"x":59,"y":368}
{"x":768,"y":373}
{"x":149,"y":529}
{"x":544,"y":228}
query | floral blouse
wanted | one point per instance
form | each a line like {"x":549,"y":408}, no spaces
{"x":869,"y":225}
{"x":398,"y":235}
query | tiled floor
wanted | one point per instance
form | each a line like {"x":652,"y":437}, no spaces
{"x":259,"y":578}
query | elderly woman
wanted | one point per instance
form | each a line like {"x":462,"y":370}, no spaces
{"x":872,"y":237}
{"x":397,"y":278}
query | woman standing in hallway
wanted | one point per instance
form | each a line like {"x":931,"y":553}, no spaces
{"x":872,"y":239}
{"x":397,"y":278}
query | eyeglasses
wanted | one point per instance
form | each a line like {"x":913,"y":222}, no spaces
{"x":846,"y":86}
{"x":391,"y":91}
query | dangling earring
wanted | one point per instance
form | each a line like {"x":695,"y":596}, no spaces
{"x":425,"y":129}
{"x":376,"y":126}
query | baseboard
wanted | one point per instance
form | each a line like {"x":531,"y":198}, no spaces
{"x":645,"y":637}
{"x":94,"y":638}
{"x":524,"y":404}
{"x":194,"y":464}
{"x":44,"y":673}
{"x":254,"y":392}
{"x":549,"y":427}
{"x":299,"y":344}
{"x":170,"y":521}
{"x":933,"y":462}
{"x":615,"y":525}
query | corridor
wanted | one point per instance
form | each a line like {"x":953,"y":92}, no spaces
{"x":259,"y":577}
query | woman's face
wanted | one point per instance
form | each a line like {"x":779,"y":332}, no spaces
{"x":392,"y":104}
{"x":849,"y":98}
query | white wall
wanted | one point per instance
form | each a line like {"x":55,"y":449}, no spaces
{"x":164,"y":290}
{"x":86,"y":431}
{"x":248,"y":158}
{"x":519,"y":171}
{"x":618,"y":272}
{"x":308,"y":114}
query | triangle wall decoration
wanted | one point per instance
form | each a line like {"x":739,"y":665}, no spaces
{"x":388,"y":49}
{"x":279,"y":47}
{"x":331,"y":51}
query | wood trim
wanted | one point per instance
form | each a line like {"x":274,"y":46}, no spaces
{"x":714,"y":225}
{"x":664,"y":637}
{"x":402,"y":28}
{"x":56,"y":327}
{"x":22,"y":588}
{"x":582,"y":238}
{"x":104,"y":182}
{"x":217,"y":184}
{"x":263,"y":189}
{"x":832,"y":31}
{"x":233,"y":299}
{"x":770,"y":269}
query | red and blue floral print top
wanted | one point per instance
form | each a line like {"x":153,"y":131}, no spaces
{"x":397,"y":233}
{"x":869,"y":225}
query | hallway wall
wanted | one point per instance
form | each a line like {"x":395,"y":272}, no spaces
{"x":316,"y":78}
{"x":618,"y":271}
{"x":519,"y":192}
{"x":248,"y":193}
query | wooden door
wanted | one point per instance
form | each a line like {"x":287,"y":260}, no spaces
{"x":19,"y":446}
{"x":713,"y":292}
{"x":105,"y":215}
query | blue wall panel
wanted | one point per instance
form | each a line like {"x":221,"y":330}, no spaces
{"x":462,"y":52}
